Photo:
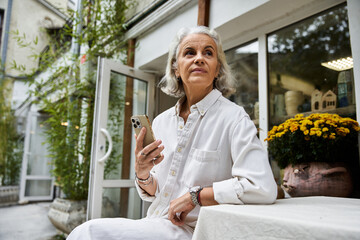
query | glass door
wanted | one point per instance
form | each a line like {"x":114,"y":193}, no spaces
{"x":37,"y":184}
{"x":121,"y":92}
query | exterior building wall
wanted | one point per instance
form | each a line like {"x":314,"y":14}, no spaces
{"x":139,"y":6}
{"x":159,"y":38}
{"x":59,"y":4}
{"x":28,"y":18}
{"x":237,"y":22}
{"x":26,"y":22}
{"x":3,"y":5}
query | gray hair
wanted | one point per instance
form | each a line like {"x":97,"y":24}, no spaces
{"x":169,"y":83}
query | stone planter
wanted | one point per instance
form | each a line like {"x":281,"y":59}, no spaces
{"x":9,"y":195}
{"x":318,"y":179}
{"x":66,"y":214}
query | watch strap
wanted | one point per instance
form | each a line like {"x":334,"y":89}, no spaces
{"x":195,"y":195}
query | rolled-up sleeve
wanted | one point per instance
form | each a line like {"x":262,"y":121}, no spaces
{"x":143,"y":194}
{"x":252,"y":179}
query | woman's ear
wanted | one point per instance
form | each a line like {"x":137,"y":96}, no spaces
{"x":177,"y":74}
{"x":217,"y":70}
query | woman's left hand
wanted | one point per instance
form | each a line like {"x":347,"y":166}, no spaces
{"x":179,"y":209}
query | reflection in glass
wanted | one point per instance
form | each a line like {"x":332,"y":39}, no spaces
{"x":115,"y":205}
{"x":139,"y":97}
{"x":116,"y":119}
{"x":115,"y":125}
{"x":39,"y":164}
{"x":124,"y":93}
{"x":38,"y":188}
{"x":139,"y":108}
{"x":244,"y":66}
{"x":299,"y":80}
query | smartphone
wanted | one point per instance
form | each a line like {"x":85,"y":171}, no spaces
{"x":140,"y":121}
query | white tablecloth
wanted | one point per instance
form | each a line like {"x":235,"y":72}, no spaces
{"x":294,"y":218}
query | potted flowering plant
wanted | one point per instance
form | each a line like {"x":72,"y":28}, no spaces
{"x":317,"y":153}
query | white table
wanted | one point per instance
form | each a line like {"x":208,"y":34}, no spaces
{"x":294,"y":218}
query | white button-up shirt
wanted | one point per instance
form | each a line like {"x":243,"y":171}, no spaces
{"x":216,"y":147}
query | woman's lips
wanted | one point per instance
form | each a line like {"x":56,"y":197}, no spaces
{"x":198,"y":70}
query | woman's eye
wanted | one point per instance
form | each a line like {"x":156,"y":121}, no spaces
{"x":189,"y":52}
{"x":209,"y":53}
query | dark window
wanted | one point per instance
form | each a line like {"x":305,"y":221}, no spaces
{"x":243,"y":61}
{"x":1,"y":23}
{"x":311,"y":61}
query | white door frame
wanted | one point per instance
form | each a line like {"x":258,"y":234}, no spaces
{"x":100,"y":135}
{"x":24,"y":176}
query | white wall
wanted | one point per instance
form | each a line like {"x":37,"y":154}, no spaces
{"x":28,"y":17}
{"x":153,"y":47}
{"x":222,"y":12}
{"x":3,"y":5}
{"x":62,"y":5}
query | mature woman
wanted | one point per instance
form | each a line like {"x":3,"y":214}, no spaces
{"x":209,"y":151}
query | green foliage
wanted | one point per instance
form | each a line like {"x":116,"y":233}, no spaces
{"x":67,"y":97}
{"x":69,"y":133}
{"x":105,"y":31}
{"x":10,"y":145}
{"x":115,"y":125}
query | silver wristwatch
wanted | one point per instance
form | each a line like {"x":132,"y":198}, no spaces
{"x":194,"y":193}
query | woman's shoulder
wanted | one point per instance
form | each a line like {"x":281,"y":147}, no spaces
{"x":232,"y":115}
{"x":228,"y":107}
{"x":165,"y":115}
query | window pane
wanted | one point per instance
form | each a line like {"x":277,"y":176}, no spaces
{"x":121,"y":202}
{"x":37,"y":188}
{"x":299,"y":57}
{"x":39,"y":164}
{"x":115,"y":125}
{"x":118,"y":167}
{"x":243,"y":61}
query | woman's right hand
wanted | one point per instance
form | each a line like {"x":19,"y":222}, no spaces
{"x":146,"y":157}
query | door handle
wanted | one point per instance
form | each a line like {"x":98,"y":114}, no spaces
{"x":108,"y":137}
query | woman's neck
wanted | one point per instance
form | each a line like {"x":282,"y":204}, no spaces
{"x":185,"y":110}
{"x":194,"y":96}
{"x":191,"y":99}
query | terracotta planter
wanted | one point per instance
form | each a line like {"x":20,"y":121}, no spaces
{"x":317,"y":179}
{"x":66,"y":214}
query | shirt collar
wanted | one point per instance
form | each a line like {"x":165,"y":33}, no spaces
{"x":203,"y":105}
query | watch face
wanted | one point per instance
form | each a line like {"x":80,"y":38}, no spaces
{"x":195,"y":189}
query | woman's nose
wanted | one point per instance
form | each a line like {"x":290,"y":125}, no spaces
{"x":199,"y":58}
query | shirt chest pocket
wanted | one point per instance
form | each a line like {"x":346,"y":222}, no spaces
{"x":201,"y":168}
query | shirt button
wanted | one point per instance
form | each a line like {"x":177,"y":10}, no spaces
{"x":179,"y":149}
{"x":157,"y":212}
{"x":173,"y":173}
{"x":181,"y":127}
{"x":202,"y":112}
{"x":166,"y":194}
